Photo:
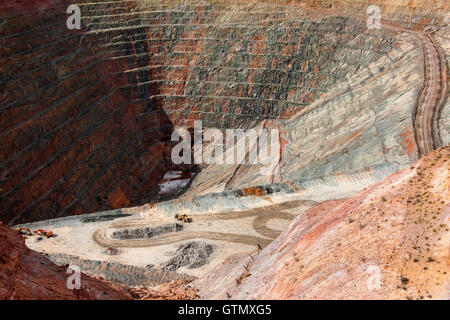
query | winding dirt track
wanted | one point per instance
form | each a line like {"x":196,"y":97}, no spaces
{"x":430,"y":97}
{"x":434,"y":90}
{"x":263,"y":215}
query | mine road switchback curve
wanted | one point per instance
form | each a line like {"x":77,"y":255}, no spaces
{"x":433,"y":92}
{"x":261,"y":214}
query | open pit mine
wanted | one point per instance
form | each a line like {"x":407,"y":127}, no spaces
{"x":109,"y":190}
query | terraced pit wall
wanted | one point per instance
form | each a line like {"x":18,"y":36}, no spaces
{"x":73,"y":140}
{"x":86,"y":115}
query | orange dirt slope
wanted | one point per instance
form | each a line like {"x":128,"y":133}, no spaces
{"x":389,"y":241}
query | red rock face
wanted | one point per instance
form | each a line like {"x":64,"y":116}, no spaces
{"x":72,"y":139}
{"x":26,"y":274}
{"x":15,"y":5}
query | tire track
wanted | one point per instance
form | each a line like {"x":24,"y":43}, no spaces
{"x":433,"y":92}
{"x":429,"y":99}
{"x":263,"y":215}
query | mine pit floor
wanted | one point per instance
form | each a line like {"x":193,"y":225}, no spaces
{"x":244,"y":227}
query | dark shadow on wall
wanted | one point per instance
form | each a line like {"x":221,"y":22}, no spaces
{"x":79,"y":131}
